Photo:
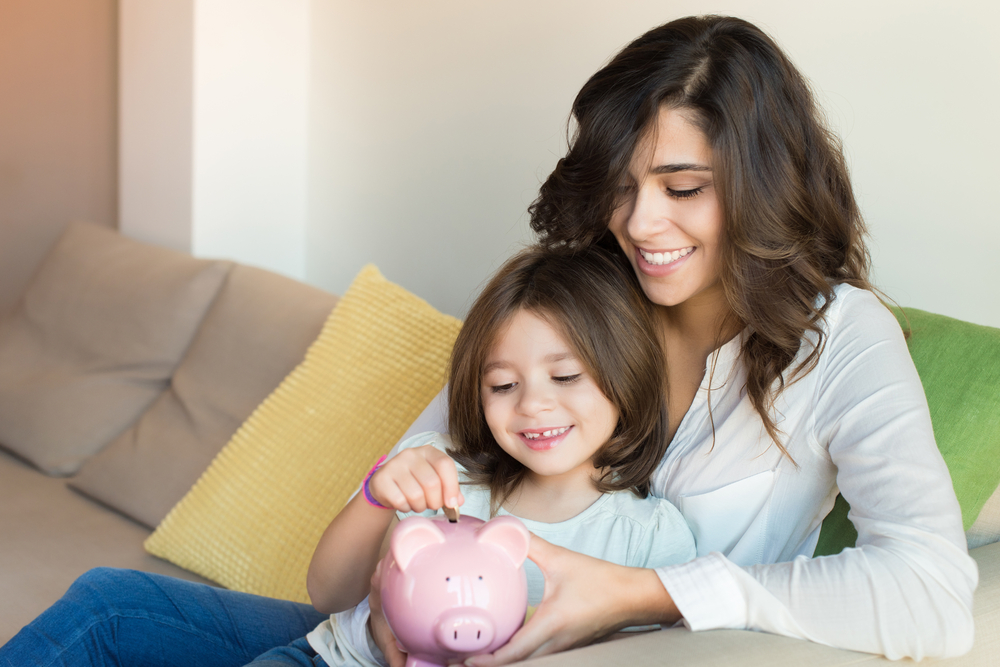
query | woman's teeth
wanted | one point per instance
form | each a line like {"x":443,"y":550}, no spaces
{"x":546,"y":434}
{"x":661,"y":258}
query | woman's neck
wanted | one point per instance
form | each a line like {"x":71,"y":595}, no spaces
{"x":551,"y":499}
{"x":699,"y":325}
{"x":690,"y":332}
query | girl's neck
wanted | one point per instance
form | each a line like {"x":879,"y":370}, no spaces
{"x":551,"y":499}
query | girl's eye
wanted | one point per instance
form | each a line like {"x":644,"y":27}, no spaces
{"x":566,"y":379}
{"x":502,"y":388}
{"x":684,"y":194}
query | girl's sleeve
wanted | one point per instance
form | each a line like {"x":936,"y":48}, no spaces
{"x":906,"y":589}
{"x":668,"y":540}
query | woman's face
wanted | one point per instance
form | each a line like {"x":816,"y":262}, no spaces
{"x":669,"y":221}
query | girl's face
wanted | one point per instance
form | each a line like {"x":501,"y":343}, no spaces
{"x":669,"y":221}
{"x":541,"y":405}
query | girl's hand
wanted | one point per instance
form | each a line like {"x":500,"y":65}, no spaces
{"x":417,"y":479}
{"x":585,"y":599}
{"x":378,"y":626}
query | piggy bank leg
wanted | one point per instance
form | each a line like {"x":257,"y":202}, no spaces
{"x":411,"y":661}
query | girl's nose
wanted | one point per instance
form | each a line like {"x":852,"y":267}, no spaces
{"x":535,"y":398}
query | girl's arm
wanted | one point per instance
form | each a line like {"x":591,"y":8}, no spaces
{"x":418,"y":478}
{"x":345,"y":557}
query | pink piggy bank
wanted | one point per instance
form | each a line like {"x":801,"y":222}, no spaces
{"x":454,"y":590}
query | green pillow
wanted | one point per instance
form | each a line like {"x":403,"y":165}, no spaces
{"x":959,"y":366}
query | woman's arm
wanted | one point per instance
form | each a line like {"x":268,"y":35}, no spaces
{"x":576,"y":611}
{"x":906,"y":590}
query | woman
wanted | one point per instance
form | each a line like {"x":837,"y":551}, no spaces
{"x":699,"y":154}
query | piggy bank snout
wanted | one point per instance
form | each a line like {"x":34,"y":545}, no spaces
{"x":464,"y":630}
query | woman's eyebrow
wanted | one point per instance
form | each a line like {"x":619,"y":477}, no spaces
{"x":674,"y":168}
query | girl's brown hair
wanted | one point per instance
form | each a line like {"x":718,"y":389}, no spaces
{"x":793,"y":229}
{"x":594,"y":301}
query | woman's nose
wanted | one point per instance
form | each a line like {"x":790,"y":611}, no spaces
{"x":649,"y":214}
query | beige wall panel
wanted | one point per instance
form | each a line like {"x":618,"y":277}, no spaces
{"x":58,"y":100}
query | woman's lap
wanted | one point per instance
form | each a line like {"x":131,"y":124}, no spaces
{"x":124,"y":617}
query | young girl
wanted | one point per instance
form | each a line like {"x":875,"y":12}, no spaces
{"x":557,"y":416}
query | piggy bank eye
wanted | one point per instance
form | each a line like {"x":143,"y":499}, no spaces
{"x":480,"y":577}
{"x":448,"y":578}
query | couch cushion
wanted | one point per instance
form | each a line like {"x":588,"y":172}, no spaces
{"x":256,"y":332}
{"x":94,"y":341}
{"x":253,"y":519}
{"x":49,"y":536}
{"x":959,"y":367}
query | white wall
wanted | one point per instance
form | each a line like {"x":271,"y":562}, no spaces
{"x":251,"y":73}
{"x":326,"y":134}
{"x":213,"y":134}
{"x":432,"y":124}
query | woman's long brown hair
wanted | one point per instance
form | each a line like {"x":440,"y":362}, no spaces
{"x":792,"y":227}
{"x":593,"y":299}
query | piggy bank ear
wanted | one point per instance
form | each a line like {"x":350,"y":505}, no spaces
{"x":410,"y":536}
{"x":509,"y":534}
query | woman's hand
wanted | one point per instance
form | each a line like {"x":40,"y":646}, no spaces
{"x":417,"y":479}
{"x":585,"y":599}
{"x":379,"y":627}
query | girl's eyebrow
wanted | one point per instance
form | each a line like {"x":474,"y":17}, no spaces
{"x":494,"y":365}
{"x":556,"y":356}
{"x":674,"y":168}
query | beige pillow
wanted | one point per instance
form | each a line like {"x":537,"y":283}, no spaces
{"x":94,"y":341}
{"x":256,"y":332}
{"x":252,"y":520}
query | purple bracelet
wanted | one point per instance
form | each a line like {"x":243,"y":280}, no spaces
{"x":364,"y":487}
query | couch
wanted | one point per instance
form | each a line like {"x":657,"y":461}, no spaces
{"x":125,"y":371}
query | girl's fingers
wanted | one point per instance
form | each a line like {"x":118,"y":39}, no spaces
{"x":416,"y":480}
{"x":447,"y":474}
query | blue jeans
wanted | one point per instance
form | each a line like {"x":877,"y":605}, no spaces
{"x":136,"y":619}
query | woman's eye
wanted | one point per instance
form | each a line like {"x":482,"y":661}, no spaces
{"x":502,"y":388}
{"x":684,"y":194}
{"x":566,"y":379}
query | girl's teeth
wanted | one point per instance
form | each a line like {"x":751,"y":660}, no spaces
{"x":546,"y":434}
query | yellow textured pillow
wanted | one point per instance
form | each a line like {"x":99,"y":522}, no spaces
{"x":254,"y":517}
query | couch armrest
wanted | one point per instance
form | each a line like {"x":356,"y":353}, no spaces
{"x":721,"y":648}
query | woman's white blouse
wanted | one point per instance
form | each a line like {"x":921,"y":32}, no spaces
{"x":858,"y":423}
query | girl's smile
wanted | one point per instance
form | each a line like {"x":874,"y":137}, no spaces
{"x":544,"y":438}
